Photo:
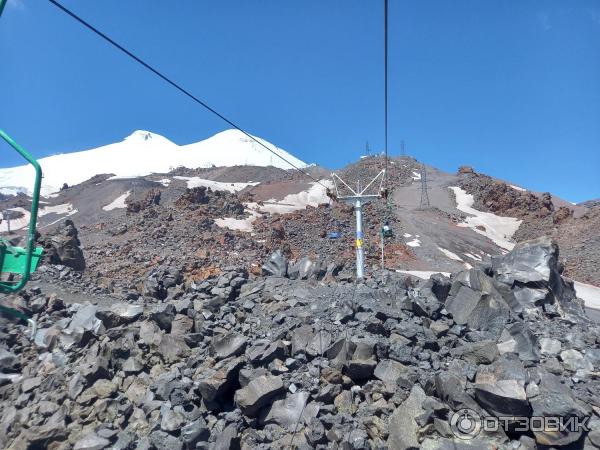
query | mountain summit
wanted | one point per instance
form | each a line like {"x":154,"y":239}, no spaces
{"x":143,"y":153}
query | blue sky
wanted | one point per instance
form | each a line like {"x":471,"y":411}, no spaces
{"x":509,"y":87}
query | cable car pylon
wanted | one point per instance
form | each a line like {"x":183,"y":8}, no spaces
{"x":358,"y":198}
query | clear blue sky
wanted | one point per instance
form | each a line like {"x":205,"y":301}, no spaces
{"x":509,"y":87}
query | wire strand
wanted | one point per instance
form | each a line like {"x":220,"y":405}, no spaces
{"x":176,"y":85}
{"x":385,"y":64}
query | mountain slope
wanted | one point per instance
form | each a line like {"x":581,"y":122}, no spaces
{"x":143,"y":153}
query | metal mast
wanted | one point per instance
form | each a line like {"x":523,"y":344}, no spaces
{"x":358,"y":198}
{"x":424,"y":189}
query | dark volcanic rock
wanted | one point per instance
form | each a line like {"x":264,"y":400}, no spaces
{"x":232,"y":360}
{"x":277,"y":265}
{"x":63,"y":247}
{"x":474,"y":301}
{"x":258,"y":393}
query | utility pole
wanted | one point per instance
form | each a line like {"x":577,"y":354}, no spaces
{"x":424,"y":189}
{"x":368,"y":149}
{"x":402,"y":151}
{"x":358,"y":198}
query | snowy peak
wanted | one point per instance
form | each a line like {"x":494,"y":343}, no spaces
{"x":142,"y":153}
{"x":141,"y":135}
{"x":236,"y":148}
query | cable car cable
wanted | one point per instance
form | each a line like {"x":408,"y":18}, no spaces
{"x":174,"y":84}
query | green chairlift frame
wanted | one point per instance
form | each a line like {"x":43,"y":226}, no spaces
{"x":16,"y":260}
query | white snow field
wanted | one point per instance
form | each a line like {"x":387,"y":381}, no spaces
{"x":517,"y":188}
{"x":64,"y":210}
{"x":9,"y":190}
{"x":193,"y":182}
{"x":313,"y":196}
{"x":499,"y":229}
{"x":416,"y":242}
{"x":236,"y":224}
{"x":118,"y":202}
{"x":589,"y":294}
{"x":15,"y":224}
{"x":143,"y":153}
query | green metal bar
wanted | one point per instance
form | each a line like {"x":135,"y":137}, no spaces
{"x":2,"y":5}
{"x":35,"y":198}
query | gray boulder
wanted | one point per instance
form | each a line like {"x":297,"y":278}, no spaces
{"x":573,"y":360}
{"x":519,"y":339}
{"x":306,"y":340}
{"x":8,"y":360}
{"x":258,"y":393}
{"x":276,"y":265}
{"x":556,"y":400}
{"x":91,"y":442}
{"x":403,"y":428}
{"x":219,"y":380}
{"x":228,"y":345}
{"x":389,"y":372}
{"x":287,"y":413}
{"x":534,"y":265}
{"x":500,"y":387}
{"x":474,"y":301}
{"x":63,"y":247}
{"x":549,"y":346}
{"x":160,"y":280}
{"x":503,"y":398}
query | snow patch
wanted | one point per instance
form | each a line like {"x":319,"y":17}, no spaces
{"x":118,"y":202}
{"x":64,"y":210}
{"x":10,"y":190}
{"x":144,"y":153}
{"x":193,"y":182}
{"x":236,"y":224}
{"x":313,"y":196}
{"x":589,"y":294}
{"x":416,"y":176}
{"x":15,"y":224}
{"x":473,"y":257}
{"x":407,"y":235}
{"x":499,"y":229}
{"x":517,"y":188}
{"x":450,"y":254}
{"x":414,"y":243}
{"x":165,"y":182}
{"x":424,"y":274}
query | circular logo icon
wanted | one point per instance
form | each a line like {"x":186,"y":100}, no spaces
{"x":465,"y":423}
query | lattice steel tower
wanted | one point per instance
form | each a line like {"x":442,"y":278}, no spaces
{"x":424,"y":189}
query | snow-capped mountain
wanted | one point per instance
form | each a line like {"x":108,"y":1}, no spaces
{"x":143,"y":153}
